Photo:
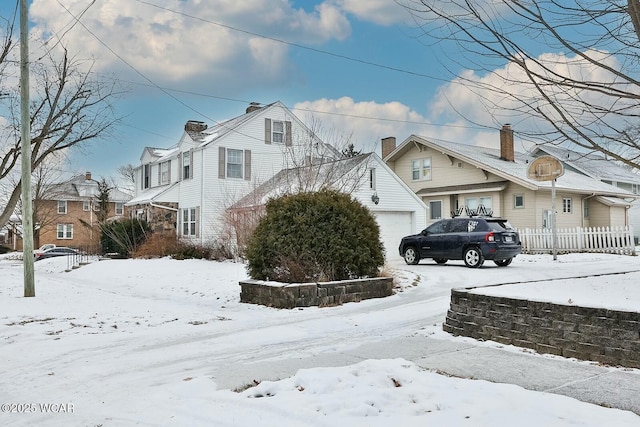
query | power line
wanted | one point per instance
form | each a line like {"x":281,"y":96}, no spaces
{"x":167,"y":91}
{"x":297,"y":45}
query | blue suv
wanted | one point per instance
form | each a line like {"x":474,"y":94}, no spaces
{"x":472,"y":239}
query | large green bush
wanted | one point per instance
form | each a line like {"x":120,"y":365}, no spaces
{"x":320,"y":236}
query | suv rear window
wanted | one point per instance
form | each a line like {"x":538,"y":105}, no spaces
{"x":500,"y":225}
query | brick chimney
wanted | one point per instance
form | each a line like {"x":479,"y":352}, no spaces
{"x":506,"y":144}
{"x":194,"y":126}
{"x":87,"y":176}
{"x":253,"y":106}
{"x":388,"y":145}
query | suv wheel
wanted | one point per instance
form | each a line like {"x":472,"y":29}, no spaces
{"x":503,"y":262}
{"x":473,"y":257}
{"x":441,"y":260}
{"x":411,"y":256}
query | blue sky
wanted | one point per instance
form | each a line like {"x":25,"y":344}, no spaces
{"x":216,"y":56}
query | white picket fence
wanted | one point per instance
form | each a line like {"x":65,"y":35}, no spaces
{"x":615,"y":240}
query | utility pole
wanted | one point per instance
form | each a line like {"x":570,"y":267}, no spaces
{"x":25,"y":139}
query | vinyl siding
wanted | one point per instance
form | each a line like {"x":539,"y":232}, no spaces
{"x":444,"y":170}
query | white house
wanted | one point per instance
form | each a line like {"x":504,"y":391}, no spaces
{"x":397,"y":209}
{"x":189,"y":186}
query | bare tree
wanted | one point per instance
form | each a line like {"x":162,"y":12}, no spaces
{"x":68,"y":108}
{"x":573,"y":66}
{"x":127,"y":177}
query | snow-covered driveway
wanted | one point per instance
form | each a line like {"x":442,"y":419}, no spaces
{"x":115,"y":331}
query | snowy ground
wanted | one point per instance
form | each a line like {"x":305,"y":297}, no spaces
{"x":165,"y":342}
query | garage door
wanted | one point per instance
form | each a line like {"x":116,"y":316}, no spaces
{"x":393,"y":227}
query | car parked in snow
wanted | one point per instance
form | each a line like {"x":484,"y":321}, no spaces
{"x":56,"y":251}
{"x":43,"y":248}
{"x":472,"y":239}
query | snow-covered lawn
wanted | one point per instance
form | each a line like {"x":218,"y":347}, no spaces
{"x":164,"y":342}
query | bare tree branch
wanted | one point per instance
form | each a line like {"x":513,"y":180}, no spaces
{"x":574,"y":67}
{"x":69,"y":107}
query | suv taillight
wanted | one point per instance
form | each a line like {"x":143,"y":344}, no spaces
{"x":490,"y":237}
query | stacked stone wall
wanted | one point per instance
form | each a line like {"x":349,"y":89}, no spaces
{"x":323,"y":294}
{"x":608,"y":336}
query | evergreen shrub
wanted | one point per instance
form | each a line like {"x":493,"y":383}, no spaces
{"x":319,"y":236}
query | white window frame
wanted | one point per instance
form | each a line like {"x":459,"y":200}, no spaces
{"x":86,"y":205}
{"x":421,"y":169}
{"x":431,"y":210}
{"x":517,"y":205}
{"x":372,"y":178}
{"x":119,"y":208}
{"x":62,"y":207}
{"x":189,"y":222}
{"x":277,"y":131}
{"x":567,"y":205}
{"x":186,"y":172}
{"x":146,"y":176}
{"x":232,"y":169}
{"x":64,"y":231}
{"x":165,"y":172}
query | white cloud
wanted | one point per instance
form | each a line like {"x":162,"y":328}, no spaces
{"x":367,"y":121}
{"x":383,"y":12}
{"x":494,"y":99}
{"x":169,"y":47}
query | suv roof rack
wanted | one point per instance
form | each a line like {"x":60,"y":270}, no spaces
{"x":481,"y":210}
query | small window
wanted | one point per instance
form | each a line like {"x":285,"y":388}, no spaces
{"x":372,"y":178}
{"x":421,"y":169}
{"x":277,"y":131}
{"x":234,"y":163}
{"x":119,"y":208}
{"x":435,"y":209}
{"x":62,"y":207}
{"x":566,"y":205}
{"x":86,"y":205}
{"x":65,"y":231}
{"x":146,"y":176}
{"x":186,"y":165}
{"x":518,"y":201}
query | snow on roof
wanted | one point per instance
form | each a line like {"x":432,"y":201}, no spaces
{"x":593,"y":164}
{"x":304,"y":178}
{"x":489,"y":158}
{"x":222,"y":128}
{"x":151,"y":195}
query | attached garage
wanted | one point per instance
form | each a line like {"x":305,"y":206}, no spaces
{"x":393,"y":227}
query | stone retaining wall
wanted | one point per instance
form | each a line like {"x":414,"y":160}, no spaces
{"x":607,"y":336}
{"x":323,"y":294}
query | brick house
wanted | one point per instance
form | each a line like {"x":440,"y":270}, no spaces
{"x":68,"y":214}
